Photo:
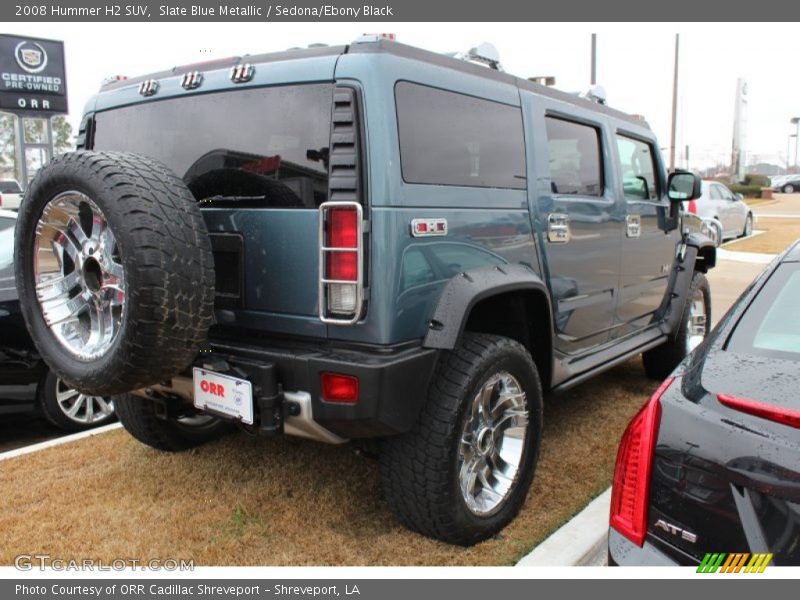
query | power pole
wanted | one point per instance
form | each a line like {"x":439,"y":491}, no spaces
{"x":674,"y":107}
{"x":594,"y":58}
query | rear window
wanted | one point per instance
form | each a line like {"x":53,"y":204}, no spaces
{"x":10,"y":187}
{"x":574,"y":155}
{"x":771,"y":325}
{"x":264,"y":146}
{"x":454,"y":139}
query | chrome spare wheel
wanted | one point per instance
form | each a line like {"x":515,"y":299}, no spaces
{"x":80,"y":282}
{"x":492,"y":444}
{"x":82,"y":408}
{"x":697,"y":323}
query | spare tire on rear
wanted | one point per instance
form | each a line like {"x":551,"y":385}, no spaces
{"x":114,"y":271}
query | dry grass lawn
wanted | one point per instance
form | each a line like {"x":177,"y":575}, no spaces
{"x":286,"y":501}
{"x":779,"y":234}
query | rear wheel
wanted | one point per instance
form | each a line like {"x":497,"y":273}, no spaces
{"x":171,"y":434}
{"x":788,"y":188}
{"x":748,"y":226}
{"x":694,"y":326}
{"x":71,"y":410}
{"x":463,"y":472}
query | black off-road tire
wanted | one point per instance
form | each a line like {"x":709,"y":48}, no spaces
{"x":138,"y":417}
{"x":166,"y":254}
{"x":662,"y":360}
{"x":419,"y":469}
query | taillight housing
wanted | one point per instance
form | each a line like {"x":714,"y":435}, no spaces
{"x":778,"y":414}
{"x":338,"y":388}
{"x":692,"y":207}
{"x":631,"y":485}
{"x":341,"y":280}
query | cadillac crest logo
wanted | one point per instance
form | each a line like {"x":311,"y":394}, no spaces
{"x":30,"y":56}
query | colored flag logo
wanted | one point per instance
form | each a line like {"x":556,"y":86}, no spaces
{"x":721,"y":562}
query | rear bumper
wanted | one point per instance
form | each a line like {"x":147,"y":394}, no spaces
{"x":653,"y":553}
{"x":393,"y":384}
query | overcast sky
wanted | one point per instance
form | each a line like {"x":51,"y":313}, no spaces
{"x":635,"y":64}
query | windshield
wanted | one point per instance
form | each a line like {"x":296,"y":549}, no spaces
{"x":771,"y":325}
{"x":264,"y":146}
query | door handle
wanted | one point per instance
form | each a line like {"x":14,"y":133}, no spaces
{"x":558,"y":231}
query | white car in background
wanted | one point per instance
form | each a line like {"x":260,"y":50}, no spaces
{"x":725,"y":212}
{"x":10,"y":194}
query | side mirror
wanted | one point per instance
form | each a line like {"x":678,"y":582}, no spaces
{"x":738,"y":197}
{"x":683,"y":186}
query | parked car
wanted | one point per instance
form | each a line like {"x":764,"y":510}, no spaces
{"x":712,"y":462}
{"x":725,"y":212}
{"x":788,"y":184}
{"x":272,"y":274}
{"x":10,"y":194}
{"x":26,"y":384}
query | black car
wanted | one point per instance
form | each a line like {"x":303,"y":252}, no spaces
{"x":26,"y":384}
{"x":711,"y":464}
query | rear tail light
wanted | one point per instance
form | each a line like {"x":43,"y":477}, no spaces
{"x":341,"y":262}
{"x":1,"y":200}
{"x":778,"y":414}
{"x":631,"y":485}
{"x":692,"y":208}
{"x":342,"y":389}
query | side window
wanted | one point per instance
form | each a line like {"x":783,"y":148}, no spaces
{"x":454,"y":139}
{"x":639,"y":180}
{"x":715,"y":193}
{"x":574,"y":154}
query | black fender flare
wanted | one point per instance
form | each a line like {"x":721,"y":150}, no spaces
{"x":465,"y":290}
{"x":706,"y":251}
{"x":696,"y":253}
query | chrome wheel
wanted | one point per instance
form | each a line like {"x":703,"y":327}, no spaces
{"x":492,"y":444}
{"x":697,"y":324}
{"x":81,"y":408}
{"x":80,"y":282}
{"x":748,"y":226}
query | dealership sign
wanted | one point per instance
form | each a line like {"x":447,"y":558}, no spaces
{"x":32,"y":75}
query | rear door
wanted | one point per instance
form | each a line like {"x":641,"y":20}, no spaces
{"x":577,"y":216}
{"x":647,"y":247}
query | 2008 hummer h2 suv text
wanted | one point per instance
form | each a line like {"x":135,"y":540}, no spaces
{"x":365,"y":241}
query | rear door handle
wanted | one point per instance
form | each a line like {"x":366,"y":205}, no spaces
{"x":558,"y":230}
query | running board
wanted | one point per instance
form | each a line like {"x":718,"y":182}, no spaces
{"x":599,"y":362}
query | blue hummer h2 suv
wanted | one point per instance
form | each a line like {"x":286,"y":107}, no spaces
{"x":353,"y":242}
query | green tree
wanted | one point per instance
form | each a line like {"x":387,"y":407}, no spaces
{"x":62,"y":135}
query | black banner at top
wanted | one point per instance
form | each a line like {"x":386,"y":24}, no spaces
{"x":396,"y":10}
{"x":32,"y":75}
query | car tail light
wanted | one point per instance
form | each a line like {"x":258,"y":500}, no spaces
{"x":1,"y":200}
{"x":692,"y":208}
{"x":631,"y":486}
{"x":778,"y":414}
{"x":342,"y":389}
{"x":341,"y":262}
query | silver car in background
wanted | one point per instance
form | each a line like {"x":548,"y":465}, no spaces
{"x":725,"y":212}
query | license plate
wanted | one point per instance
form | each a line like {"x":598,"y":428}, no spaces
{"x":223,"y":394}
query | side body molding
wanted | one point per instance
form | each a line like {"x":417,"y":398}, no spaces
{"x":466,"y":289}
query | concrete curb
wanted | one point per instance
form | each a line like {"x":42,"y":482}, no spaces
{"x":57,"y":442}
{"x":748,"y":257}
{"x":580,"y":542}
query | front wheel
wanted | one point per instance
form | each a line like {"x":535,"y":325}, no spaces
{"x":694,"y":326}
{"x":788,"y":189}
{"x":462,"y":473}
